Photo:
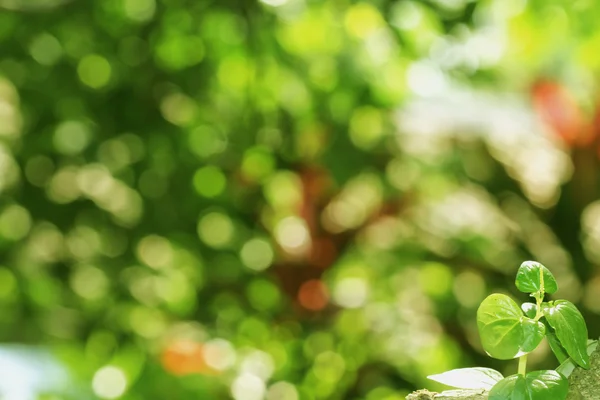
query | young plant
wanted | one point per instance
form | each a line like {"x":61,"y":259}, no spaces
{"x":509,"y":332}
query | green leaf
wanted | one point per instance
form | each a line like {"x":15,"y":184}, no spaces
{"x":546,"y":385}
{"x":499,"y":324}
{"x":570,"y":328}
{"x":533,"y":332}
{"x":509,"y":388}
{"x":536,"y":385}
{"x":533,"y":277}
{"x":530,"y":309}
{"x":469,"y":378}
{"x":557,"y":348}
{"x":567,"y":367}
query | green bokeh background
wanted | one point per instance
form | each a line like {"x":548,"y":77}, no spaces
{"x":287,"y":199}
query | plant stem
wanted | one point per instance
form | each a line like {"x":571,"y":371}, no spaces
{"x":523,"y":364}
{"x":539,"y":297}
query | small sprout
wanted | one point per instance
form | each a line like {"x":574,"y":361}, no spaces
{"x":508,"y":331}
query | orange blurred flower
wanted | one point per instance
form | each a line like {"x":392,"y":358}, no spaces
{"x":185,"y":357}
{"x":313,"y":295}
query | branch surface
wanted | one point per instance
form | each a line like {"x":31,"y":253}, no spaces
{"x":583,"y":385}
{"x":448,"y":395}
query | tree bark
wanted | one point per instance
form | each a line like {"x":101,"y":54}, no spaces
{"x":584,"y":384}
{"x":449,"y":395}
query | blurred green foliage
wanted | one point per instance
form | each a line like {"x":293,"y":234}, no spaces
{"x":287,"y":199}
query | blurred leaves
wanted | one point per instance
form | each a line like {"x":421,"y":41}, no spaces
{"x":287,"y":199}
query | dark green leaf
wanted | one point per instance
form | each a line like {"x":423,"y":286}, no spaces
{"x":530,"y":309}
{"x":557,"y":348}
{"x":533,"y":277}
{"x":533,"y":333}
{"x":469,"y":378}
{"x":499,"y":324}
{"x":570,"y":328}
{"x":537,"y":385}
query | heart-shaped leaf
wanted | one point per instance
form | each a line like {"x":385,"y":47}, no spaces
{"x":533,"y":333}
{"x":570,"y":328}
{"x":533,"y":277}
{"x":509,"y":388}
{"x":469,"y":378}
{"x":546,"y":385}
{"x":537,"y":385}
{"x":499,"y":324}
